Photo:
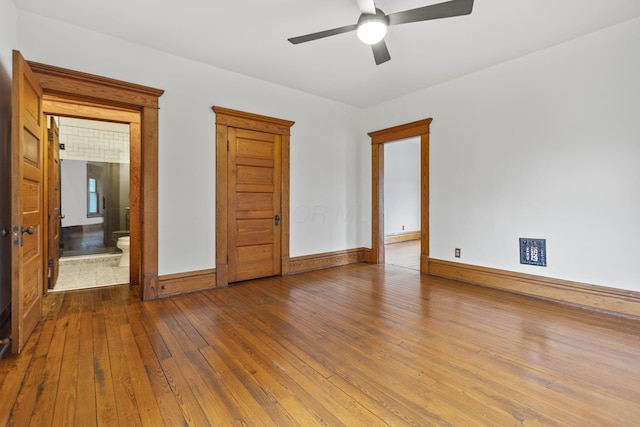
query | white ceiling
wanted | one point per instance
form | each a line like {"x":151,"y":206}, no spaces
{"x":250,"y":37}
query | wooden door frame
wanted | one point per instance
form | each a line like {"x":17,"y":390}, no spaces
{"x":91,"y":90}
{"x":53,"y":105}
{"x":378,"y":139}
{"x":226,"y":118}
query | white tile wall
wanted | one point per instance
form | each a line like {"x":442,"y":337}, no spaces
{"x":94,"y":144}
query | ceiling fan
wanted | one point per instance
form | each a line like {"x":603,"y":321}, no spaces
{"x":372,"y":24}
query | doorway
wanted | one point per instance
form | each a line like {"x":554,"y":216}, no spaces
{"x":78,"y":94}
{"x":94,"y":199}
{"x":83,"y":232}
{"x":402,"y":203}
{"x":378,"y":140}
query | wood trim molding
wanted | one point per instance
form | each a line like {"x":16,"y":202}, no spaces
{"x":180,"y":283}
{"x":226,"y":118}
{"x":88,"y":110}
{"x":377,"y":202}
{"x":327,"y":260}
{"x":173,"y":284}
{"x":89,"y":89}
{"x":600,"y":298}
{"x":378,"y":139}
{"x":396,"y":133}
{"x":63,"y":81}
{"x":250,"y":121}
{"x":402,"y":237}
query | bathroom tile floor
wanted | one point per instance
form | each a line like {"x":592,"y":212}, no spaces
{"x":82,"y":272}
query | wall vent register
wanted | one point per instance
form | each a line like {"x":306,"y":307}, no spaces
{"x":533,"y":251}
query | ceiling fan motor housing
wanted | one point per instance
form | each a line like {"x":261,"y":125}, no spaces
{"x":372,"y":28}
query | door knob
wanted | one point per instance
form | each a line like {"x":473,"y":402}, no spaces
{"x":277,"y":218}
{"x":23,"y":230}
{"x":5,"y":232}
{"x":29,"y":230}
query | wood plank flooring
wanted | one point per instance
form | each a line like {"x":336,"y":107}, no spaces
{"x":403,"y":254}
{"x":355,"y":345}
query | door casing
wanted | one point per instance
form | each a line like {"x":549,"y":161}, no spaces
{"x":120,"y":99}
{"x":225,"y":119}
{"x":378,"y":139}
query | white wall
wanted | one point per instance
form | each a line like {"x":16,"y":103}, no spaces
{"x":325,"y":185}
{"x":545,"y":146}
{"x":8,"y":33}
{"x":8,"y":41}
{"x":402,"y":186}
{"x":73,"y":194}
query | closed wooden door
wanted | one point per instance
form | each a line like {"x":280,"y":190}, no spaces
{"x":254,"y":204}
{"x":27,"y":203}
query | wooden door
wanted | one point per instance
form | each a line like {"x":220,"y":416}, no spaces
{"x":254,"y":204}
{"x":53,"y":154}
{"x":27,"y":202}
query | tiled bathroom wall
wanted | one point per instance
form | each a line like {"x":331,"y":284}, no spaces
{"x":98,"y":145}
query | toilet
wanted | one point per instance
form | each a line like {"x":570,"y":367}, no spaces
{"x":123,"y":245}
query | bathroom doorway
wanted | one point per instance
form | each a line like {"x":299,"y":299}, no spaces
{"x":94,"y":201}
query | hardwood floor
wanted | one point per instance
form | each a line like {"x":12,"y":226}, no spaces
{"x":403,"y":254}
{"x":355,"y":345}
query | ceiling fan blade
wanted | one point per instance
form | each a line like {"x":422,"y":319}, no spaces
{"x":380,"y":52}
{"x":322,"y":34}
{"x":434,"y":11}
{"x":367,"y":6}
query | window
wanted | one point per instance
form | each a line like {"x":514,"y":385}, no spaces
{"x":93,"y":197}
{"x":94,"y":184}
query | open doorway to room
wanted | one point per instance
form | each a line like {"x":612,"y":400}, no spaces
{"x":94,"y":201}
{"x":402,"y":203}
{"x":418,"y":129}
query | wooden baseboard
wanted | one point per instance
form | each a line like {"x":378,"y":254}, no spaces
{"x":600,"y":298}
{"x":402,"y":237}
{"x":326,"y":260}
{"x":180,"y":283}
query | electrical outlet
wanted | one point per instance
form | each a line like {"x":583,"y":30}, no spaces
{"x":457,"y":252}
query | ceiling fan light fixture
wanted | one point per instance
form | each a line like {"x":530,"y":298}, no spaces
{"x":372,"y":28}
{"x":372,"y":23}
